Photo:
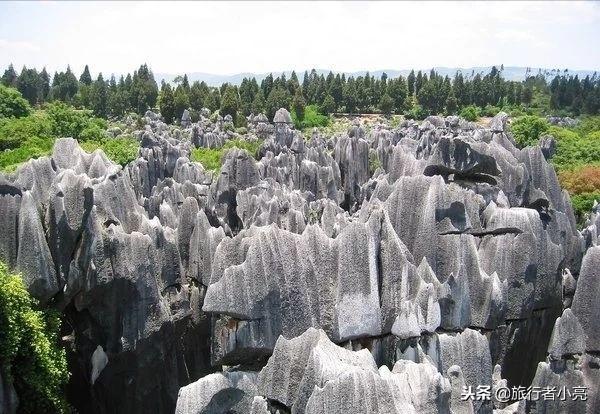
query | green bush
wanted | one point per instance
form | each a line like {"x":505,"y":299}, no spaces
{"x":528,"y":129}
{"x":14,"y":132}
{"x":583,"y":203}
{"x":121,"y":150}
{"x":490,"y":111}
{"x":312,"y":118}
{"x":470,"y":113}
{"x":12,"y":103}
{"x":416,"y":112}
{"x":33,"y":136}
{"x":30,"y":356}
{"x":70,"y":122}
{"x":32,"y":148}
{"x":212,"y":158}
{"x":588,"y":125}
{"x":574,"y":150}
{"x":374,"y":162}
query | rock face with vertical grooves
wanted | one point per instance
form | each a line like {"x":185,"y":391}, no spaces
{"x":371,"y":271}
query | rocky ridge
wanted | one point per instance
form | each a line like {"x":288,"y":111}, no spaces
{"x":307,"y":278}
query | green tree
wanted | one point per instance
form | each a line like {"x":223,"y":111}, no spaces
{"x":411,"y":82}
{"x":213,"y":100}
{"x":451,"y":103}
{"x":397,"y":90}
{"x":99,"y":97}
{"x":197,"y":95}
{"x":28,"y":84}
{"x":258,"y":103}
{"x":9,"y":78}
{"x":299,"y":104}
{"x":64,"y":86}
{"x":30,"y":356}
{"x":528,"y":129}
{"x":144,"y":90}
{"x":278,"y":98}
{"x":44,"y":86}
{"x":386,"y":104}
{"x":230,"y":102}
{"x":328,"y":106}
{"x":85,"y":77}
{"x":12,"y":103}
{"x":181,"y":101}
{"x":350,"y":96}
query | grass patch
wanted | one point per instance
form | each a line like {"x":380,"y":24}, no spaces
{"x":312,"y":118}
{"x":121,"y":150}
{"x":212,"y":158}
{"x":32,"y":148}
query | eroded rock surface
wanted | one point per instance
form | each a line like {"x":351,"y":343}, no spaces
{"x":330,"y":284}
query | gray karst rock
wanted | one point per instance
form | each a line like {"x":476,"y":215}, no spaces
{"x":377,"y":270}
{"x":568,"y":337}
{"x":186,"y":119}
{"x":585,"y":305}
{"x":231,"y":392}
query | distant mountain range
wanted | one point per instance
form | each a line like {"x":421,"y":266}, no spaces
{"x":516,"y":73}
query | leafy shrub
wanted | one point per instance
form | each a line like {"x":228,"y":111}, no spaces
{"x":396,"y":121}
{"x":490,"y":110}
{"x":241,"y":130}
{"x":514,"y":111}
{"x":583,"y":203}
{"x":14,"y":132}
{"x":574,"y":150}
{"x":470,"y":113}
{"x":212,"y":158}
{"x":581,"y":180}
{"x":70,"y":122}
{"x":528,"y":129}
{"x":416,"y":112}
{"x":312,"y":118}
{"x":121,"y":150}
{"x":374,"y":162}
{"x":30,"y":356}
{"x":33,"y":148}
{"x":12,"y":103}
{"x":93,"y":132}
{"x":588,"y":125}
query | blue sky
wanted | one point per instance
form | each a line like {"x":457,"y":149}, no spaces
{"x":227,"y":38}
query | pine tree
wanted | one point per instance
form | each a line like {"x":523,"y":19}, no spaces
{"x":166,"y":103}
{"x":229,"y":102}
{"x":386,"y":104}
{"x":85,"y":77}
{"x":278,"y":98}
{"x":328,"y":106}
{"x":182,"y":101}
{"x":144,"y":90}
{"x":299,"y":104}
{"x":258,"y":103}
{"x":9,"y":78}
{"x":28,"y":83}
{"x":197,"y":95}
{"x":44,"y":86}
{"x":99,"y":97}
{"x":411,"y":82}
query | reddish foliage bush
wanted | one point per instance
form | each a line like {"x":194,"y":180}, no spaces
{"x":581,"y":180}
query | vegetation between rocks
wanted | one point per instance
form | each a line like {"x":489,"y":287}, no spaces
{"x":30,"y":355}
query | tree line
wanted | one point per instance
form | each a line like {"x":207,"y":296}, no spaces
{"x":425,"y":92}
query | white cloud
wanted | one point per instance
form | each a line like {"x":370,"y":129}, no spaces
{"x":14,"y":46}
{"x":232,"y":37}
